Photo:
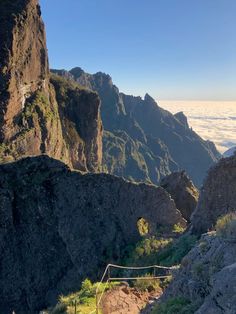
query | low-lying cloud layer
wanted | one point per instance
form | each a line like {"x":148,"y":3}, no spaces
{"x":215,"y":121}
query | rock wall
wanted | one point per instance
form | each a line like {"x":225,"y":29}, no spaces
{"x":207,"y":277}
{"x":31,"y":119}
{"x":24,"y":60}
{"x":58,"y":227}
{"x":183,"y":192}
{"x":217,"y":197}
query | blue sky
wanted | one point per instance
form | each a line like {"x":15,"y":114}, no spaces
{"x":172,"y":49}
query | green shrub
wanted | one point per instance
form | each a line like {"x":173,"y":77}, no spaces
{"x":226,"y":226}
{"x":176,"y":250}
{"x":177,"y":228}
{"x":143,"y":227}
{"x":147,"y":284}
{"x":175,"y":306}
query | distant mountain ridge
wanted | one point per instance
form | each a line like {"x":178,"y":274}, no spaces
{"x":230,"y":152}
{"x":142,"y":141}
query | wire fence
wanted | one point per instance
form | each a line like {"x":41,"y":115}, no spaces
{"x":107,"y":278}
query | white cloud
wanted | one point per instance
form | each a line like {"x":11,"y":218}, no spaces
{"x":212,"y":120}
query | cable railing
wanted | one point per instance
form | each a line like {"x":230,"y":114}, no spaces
{"x":109,"y":278}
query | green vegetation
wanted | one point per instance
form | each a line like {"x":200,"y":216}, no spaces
{"x":148,"y":284}
{"x":175,"y":306}
{"x":143,"y":227}
{"x":84,"y":300}
{"x":160,"y":251}
{"x":226,"y":226}
{"x":38,"y":104}
{"x":178,"y":229}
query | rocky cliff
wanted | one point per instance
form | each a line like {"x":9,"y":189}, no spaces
{"x":183,"y":192}
{"x":58,"y":227}
{"x":31,"y":121}
{"x":143,"y":142}
{"x":217,"y":195}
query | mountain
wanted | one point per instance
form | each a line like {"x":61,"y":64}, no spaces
{"x":217,"y":196}
{"x":58,"y":227}
{"x":229,"y":152}
{"x":206,"y":279}
{"x":142,"y":141}
{"x":31,"y":120}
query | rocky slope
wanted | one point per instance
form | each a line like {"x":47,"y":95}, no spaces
{"x":58,"y":227}
{"x":207,"y":277}
{"x":217,"y":196}
{"x":143,"y":142}
{"x":31,"y":121}
{"x":183,"y":192}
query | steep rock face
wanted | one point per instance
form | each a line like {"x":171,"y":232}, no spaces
{"x":24,"y":61}
{"x":79,"y":112}
{"x":58,"y":227}
{"x":207,"y":277}
{"x":217,"y":197}
{"x":31,"y":120}
{"x":154,"y":141}
{"x":183,"y":192}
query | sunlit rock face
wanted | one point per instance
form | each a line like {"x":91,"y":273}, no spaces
{"x":32,"y":121}
{"x":24,"y":60}
{"x":58,"y":227}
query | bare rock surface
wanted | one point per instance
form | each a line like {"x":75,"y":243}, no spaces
{"x":217,"y":197}
{"x":124,"y":300}
{"x":207,"y":276}
{"x":32,"y":122}
{"x":183,"y":192}
{"x":58,"y":227}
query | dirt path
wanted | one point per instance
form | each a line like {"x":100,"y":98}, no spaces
{"x":125,"y":300}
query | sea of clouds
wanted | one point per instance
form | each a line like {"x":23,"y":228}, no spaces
{"x":212,"y":120}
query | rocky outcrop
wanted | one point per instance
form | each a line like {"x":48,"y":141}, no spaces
{"x":207,"y":277}
{"x":143,"y":142}
{"x":217,"y":196}
{"x":24,"y":61}
{"x":79,"y":113}
{"x":58,"y":227}
{"x":183,"y":192}
{"x":32,"y":122}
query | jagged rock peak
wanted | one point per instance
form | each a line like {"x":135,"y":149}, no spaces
{"x":183,"y":192}
{"x":149,"y":98}
{"x":24,"y":61}
{"x":182,"y":118}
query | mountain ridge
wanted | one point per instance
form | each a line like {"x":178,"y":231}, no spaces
{"x":156,"y":141}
